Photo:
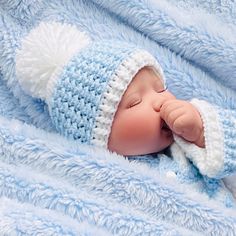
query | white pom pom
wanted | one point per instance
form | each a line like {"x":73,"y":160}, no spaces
{"x":45,"y":49}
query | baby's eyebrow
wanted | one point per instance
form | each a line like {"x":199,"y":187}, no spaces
{"x":131,"y":94}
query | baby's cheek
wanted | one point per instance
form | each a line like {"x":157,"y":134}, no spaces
{"x":134,"y":133}
{"x":135,"y":129}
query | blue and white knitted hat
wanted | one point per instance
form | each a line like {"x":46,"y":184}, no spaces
{"x":81,"y":81}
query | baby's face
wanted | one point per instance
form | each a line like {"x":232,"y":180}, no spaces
{"x":137,"y":126}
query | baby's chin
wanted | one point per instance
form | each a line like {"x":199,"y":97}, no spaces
{"x":147,"y":150}
{"x":166,"y":138}
{"x":165,"y":141}
{"x":153,"y":146}
{"x":163,"y":147}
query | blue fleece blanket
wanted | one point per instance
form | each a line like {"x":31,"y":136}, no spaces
{"x":53,"y":186}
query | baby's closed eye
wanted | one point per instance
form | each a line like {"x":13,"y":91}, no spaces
{"x":133,"y":100}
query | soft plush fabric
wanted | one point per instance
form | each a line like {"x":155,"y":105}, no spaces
{"x":51,"y":185}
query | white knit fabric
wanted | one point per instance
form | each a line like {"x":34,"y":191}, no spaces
{"x":210,"y":159}
{"x":116,"y":88}
{"x":46,"y":49}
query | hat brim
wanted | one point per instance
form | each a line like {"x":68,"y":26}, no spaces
{"x":116,"y":87}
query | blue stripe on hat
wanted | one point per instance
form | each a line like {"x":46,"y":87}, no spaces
{"x":76,"y":98}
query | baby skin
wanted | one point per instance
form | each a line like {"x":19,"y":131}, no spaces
{"x":148,"y":115}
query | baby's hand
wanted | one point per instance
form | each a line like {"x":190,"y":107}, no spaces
{"x":184,"y":120}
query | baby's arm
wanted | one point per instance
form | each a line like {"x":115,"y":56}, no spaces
{"x":218,"y":158}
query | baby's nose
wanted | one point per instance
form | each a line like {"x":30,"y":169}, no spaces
{"x":157,"y":105}
{"x":158,"y":101}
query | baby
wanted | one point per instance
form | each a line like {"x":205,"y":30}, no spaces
{"x":147,"y":117}
{"x":148,"y":114}
{"x":112,"y":94}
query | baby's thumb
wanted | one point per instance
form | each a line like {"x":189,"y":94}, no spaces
{"x":164,"y":115}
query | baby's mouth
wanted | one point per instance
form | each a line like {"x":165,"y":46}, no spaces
{"x":165,"y":127}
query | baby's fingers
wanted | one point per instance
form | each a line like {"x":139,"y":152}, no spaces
{"x":169,"y":107}
{"x":173,"y":116}
{"x":175,"y":121}
{"x":170,"y":111}
{"x":179,"y":125}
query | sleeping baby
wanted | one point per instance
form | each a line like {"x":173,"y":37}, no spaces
{"x":147,"y":116}
{"x":112,"y":94}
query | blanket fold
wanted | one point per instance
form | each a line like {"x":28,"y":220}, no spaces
{"x":184,"y":32}
{"x":124,"y":186}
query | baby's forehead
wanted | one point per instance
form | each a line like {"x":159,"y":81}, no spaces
{"x":145,"y":76}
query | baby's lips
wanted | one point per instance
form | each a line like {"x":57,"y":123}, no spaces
{"x":164,"y":125}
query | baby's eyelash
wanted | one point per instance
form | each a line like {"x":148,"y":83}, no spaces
{"x":134,"y":103}
{"x":163,"y":90}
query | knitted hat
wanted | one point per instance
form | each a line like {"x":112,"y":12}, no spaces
{"x":81,"y":81}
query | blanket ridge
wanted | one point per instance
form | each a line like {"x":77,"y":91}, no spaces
{"x":161,"y":21}
{"x":92,"y":174}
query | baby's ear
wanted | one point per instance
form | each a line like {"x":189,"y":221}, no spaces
{"x":44,"y":52}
